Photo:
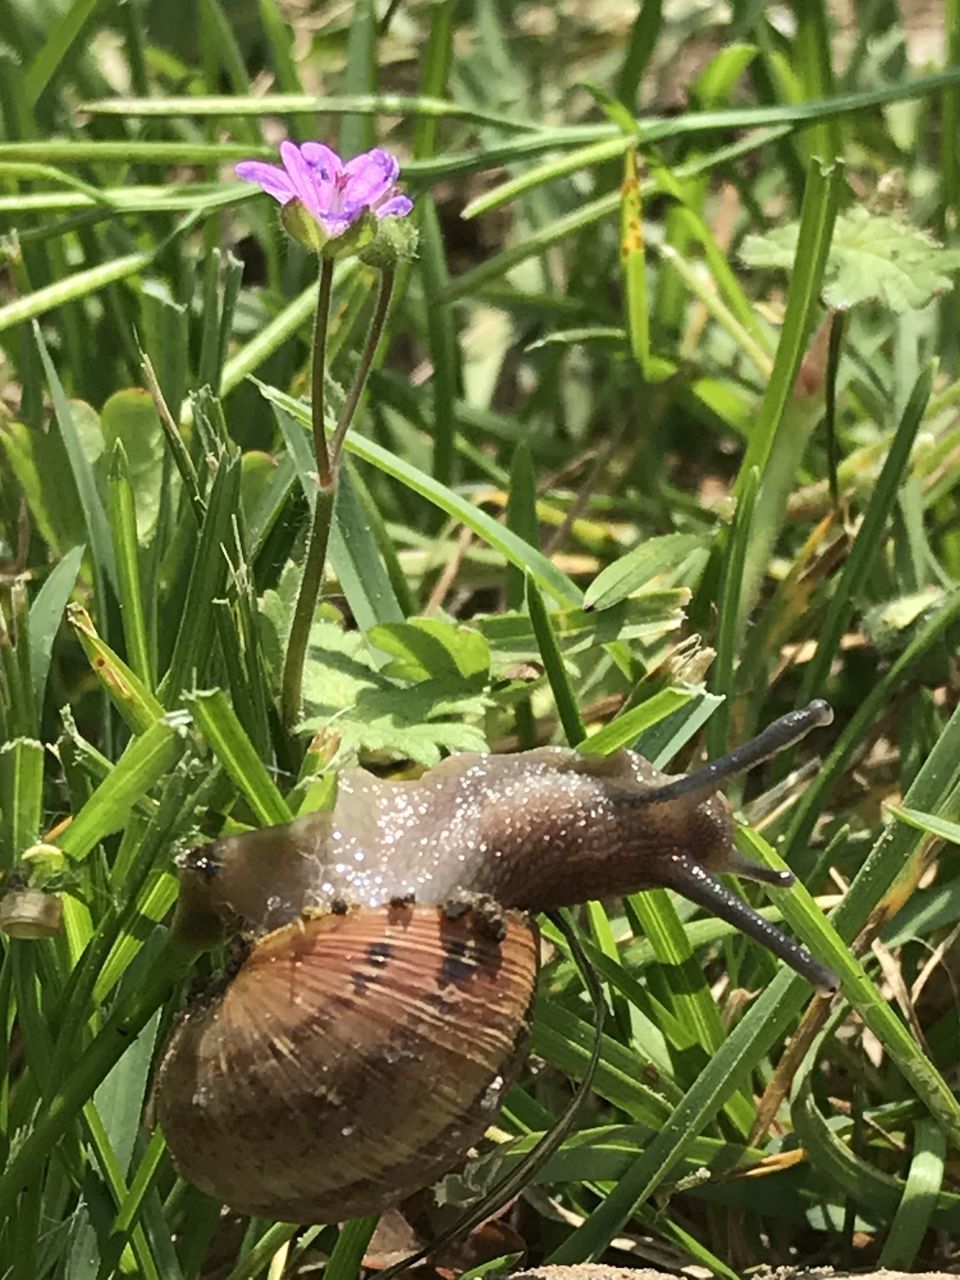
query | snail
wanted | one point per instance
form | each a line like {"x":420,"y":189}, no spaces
{"x":380,"y":1016}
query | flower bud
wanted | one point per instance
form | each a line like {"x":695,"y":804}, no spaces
{"x":395,"y":241}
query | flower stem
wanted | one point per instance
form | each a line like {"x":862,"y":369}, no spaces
{"x":374,"y":334}
{"x":292,"y":682}
{"x":328,"y":471}
{"x":320,"y":325}
{"x":292,"y":679}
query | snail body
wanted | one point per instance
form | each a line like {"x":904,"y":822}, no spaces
{"x":381,"y":1014}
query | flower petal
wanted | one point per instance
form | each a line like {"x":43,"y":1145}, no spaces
{"x":335,"y":224}
{"x":396,"y":207}
{"x":323,"y":160}
{"x":271,"y":177}
{"x":369,"y":178}
{"x":301,"y":178}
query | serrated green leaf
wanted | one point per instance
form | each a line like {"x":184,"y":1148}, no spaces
{"x":344,"y":692}
{"x":874,"y":257}
{"x":426,"y":648}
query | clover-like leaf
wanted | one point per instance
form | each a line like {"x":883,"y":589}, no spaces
{"x":874,"y":257}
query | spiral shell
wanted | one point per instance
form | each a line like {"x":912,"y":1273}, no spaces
{"x":352,"y":1059}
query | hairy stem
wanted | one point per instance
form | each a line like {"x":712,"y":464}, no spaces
{"x":292,"y":680}
{"x":374,"y":334}
{"x":320,"y":325}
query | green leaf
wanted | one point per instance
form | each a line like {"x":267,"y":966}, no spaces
{"x":219,"y":724}
{"x":41,"y":468}
{"x":874,"y":257}
{"x":130,"y":417}
{"x":145,"y":761}
{"x":345,"y":693}
{"x":46,"y":614}
{"x":639,"y":567}
{"x":427,"y":648}
{"x":643,"y":618}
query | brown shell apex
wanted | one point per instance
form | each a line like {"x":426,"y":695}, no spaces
{"x":352,"y":1060}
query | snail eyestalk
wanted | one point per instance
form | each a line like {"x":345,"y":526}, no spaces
{"x":783,"y":733}
{"x":691,"y":881}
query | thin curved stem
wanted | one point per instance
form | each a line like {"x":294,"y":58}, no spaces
{"x":374,"y":333}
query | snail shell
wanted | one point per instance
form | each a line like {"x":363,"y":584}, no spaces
{"x":331,"y":1033}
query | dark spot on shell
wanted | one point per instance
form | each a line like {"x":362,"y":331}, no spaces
{"x":459,"y":963}
{"x":378,"y":953}
{"x":360,"y":981}
{"x":339,"y":907}
{"x":440,"y":1001}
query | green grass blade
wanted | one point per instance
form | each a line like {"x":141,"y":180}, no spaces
{"x":514,"y":549}
{"x":442,"y":337}
{"x":79,"y":285}
{"x":563,"y":693}
{"x":208,"y":574}
{"x":287,"y":104}
{"x":98,"y":528}
{"x":625,"y":729}
{"x":130,"y":695}
{"x":348,"y":1253}
{"x":918,"y":1203}
{"x":813,"y":799}
{"x":643,"y":40}
{"x":67,"y":31}
{"x":633,"y":258}
{"x":46,"y":614}
{"x":360,"y":76}
{"x":219,"y":724}
{"x":869,"y":542}
{"x":123,"y":525}
{"x":817,"y":217}
{"x":143,"y":763}
{"x":730,"y":613}
{"x":21,"y":796}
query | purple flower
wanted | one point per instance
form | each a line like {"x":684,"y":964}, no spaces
{"x":334,"y":194}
